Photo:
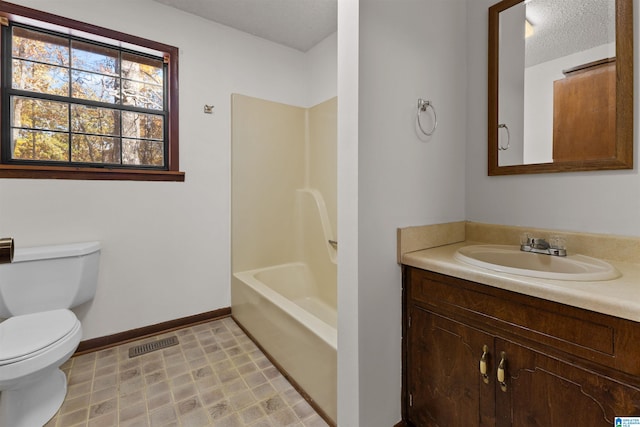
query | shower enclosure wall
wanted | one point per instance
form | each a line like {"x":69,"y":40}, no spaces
{"x":284,"y":246}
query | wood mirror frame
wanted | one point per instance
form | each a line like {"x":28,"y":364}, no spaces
{"x":623,"y":158}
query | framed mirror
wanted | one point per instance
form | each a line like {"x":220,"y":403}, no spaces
{"x":560,"y":86}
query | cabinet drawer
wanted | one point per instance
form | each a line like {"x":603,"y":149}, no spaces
{"x":606,"y":340}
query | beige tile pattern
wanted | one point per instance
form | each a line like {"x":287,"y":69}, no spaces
{"x":216,"y":376}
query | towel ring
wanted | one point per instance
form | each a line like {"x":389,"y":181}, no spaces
{"x":500,"y":147}
{"x":422,"y":106}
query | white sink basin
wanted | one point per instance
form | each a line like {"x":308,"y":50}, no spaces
{"x":510,"y":259}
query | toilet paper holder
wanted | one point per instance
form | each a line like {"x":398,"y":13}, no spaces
{"x":6,"y":250}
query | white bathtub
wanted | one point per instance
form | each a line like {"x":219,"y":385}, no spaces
{"x":282,"y":308}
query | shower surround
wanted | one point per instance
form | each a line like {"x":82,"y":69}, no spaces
{"x":284,"y":191}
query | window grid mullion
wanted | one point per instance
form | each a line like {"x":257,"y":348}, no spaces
{"x":70,"y":95}
{"x":121,"y":104}
{"x":70,"y":132}
{"x":86,"y":102}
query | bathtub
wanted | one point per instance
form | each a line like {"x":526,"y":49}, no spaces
{"x":281,"y":308}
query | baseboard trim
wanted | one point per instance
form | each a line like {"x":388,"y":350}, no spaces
{"x":293,"y":382}
{"x":108,"y":341}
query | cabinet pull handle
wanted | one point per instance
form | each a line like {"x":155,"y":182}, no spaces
{"x":501,"y":371}
{"x":483,"y":364}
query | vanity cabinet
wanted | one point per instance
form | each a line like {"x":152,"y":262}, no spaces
{"x":475,"y":355}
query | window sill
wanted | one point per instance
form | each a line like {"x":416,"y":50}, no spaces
{"x":62,"y":172}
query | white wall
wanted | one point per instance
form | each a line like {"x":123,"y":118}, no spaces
{"x":408,"y":49}
{"x":598,"y":202}
{"x":165,"y":245}
{"x":322,"y":70}
{"x":347,"y":156}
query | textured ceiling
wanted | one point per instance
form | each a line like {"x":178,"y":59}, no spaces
{"x":563,"y":27}
{"x":299,"y":24}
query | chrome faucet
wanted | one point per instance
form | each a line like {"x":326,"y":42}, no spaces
{"x":555,"y":247}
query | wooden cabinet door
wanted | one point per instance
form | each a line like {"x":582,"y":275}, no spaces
{"x":584,"y":114}
{"x":545,"y":391}
{"x":444,"y":384}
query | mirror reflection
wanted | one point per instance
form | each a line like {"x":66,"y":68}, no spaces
{"x":557,"y":101}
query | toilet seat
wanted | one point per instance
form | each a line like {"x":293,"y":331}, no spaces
{"x":23,"y":337}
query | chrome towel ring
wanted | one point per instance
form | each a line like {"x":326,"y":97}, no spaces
{"x":505,"y":127}
{"x":423,"y":104}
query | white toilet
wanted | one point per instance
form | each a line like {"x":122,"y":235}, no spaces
{"x":40,"y":333}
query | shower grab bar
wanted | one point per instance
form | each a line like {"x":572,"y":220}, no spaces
{"x":423,"y":104}
{"x":321,"y":209}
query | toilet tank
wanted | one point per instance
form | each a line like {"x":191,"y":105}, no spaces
{"x":49,"y":277}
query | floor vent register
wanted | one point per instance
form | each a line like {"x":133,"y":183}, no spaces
{"x":141,"y":349}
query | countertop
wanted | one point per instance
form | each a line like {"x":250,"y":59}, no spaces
{"x":618,"y":297}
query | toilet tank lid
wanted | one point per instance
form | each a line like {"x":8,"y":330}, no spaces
{"x":55,"y":251}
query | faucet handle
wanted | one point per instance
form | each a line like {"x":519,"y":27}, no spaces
{"x":526,"y":239}
{"x":557,"y":242}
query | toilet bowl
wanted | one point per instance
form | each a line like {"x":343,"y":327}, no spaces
{"x":37,"y":336}
{"x":33,"y":387}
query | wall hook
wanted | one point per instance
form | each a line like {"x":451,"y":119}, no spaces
{"x":208,"y":109}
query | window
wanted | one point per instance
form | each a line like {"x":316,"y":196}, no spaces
{"x":83,"y":102}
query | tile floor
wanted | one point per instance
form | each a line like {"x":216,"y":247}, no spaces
{"x":216,"y":376}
